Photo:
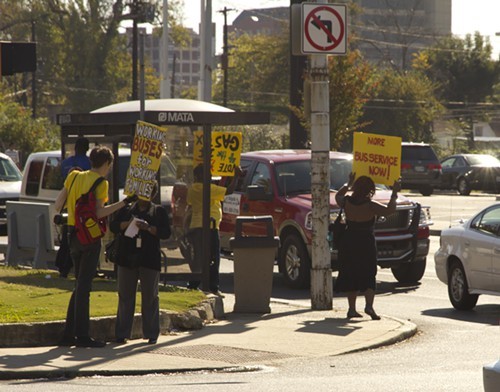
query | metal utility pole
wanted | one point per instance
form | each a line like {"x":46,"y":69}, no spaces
{"x":225,"y":55}
{"x":205,"y":83}
{"x":165,"y":91}
{"x":321,"y":272}
{"x":135,"y":16}
{"x":298,"y":134}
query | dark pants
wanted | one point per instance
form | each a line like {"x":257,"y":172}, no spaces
{"x":196,"y":236}
{"x":150,"y":303}
{"x":85,"y":259}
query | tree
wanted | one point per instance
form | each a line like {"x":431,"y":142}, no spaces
{"x":351,"y":84}
{"x":258,"y":74}
{"x":462,"y":68}
{"x":404,"y":105}
{"x":83,"y":62}
{"x":27,"y":134}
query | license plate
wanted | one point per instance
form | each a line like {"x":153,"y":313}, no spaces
{"x":420,"y":169}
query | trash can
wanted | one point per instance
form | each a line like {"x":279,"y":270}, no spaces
{"x":253,"y":265}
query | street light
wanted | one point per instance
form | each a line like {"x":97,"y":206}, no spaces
{"x":140,"y":12}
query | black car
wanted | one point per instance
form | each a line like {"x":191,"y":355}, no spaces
{"x":467,"y":172}
{"x":420,"y":168}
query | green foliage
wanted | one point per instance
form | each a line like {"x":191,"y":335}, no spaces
{"x":463,"y":68}
{"x":258,"y":75}
{"x":27,"y":134}
{"x":403,"y":105}
{"x":351,"y":83}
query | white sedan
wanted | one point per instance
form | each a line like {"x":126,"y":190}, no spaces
{"x":468,"y":259}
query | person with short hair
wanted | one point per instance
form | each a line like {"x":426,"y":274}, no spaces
{"x":79,"y":161}
{"x":357,"y":253}
{"x":139,"y":260}
{"x":85,"y":256}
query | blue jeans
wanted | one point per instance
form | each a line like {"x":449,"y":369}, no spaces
{"x":85,"y":259}
{"x":196,"y":236}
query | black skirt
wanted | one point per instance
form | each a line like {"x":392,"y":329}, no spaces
{"x":357,"y":258}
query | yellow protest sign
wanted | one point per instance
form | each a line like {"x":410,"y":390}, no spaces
{"x":377,"y":156}
{"x":226,"y":151}
{"x":145,"y":159}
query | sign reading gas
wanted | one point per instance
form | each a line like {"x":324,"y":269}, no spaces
{"x":378,"y":157}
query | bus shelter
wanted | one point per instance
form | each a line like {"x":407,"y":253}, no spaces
{"x":114,"y":126}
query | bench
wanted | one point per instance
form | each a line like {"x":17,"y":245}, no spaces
{"x":30,"y":235}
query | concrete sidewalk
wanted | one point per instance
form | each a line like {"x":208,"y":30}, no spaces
{"x":239,"y":341}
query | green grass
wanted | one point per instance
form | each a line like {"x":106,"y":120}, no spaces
{"x":41,"y":295}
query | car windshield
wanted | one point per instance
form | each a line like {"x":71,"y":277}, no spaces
{"x":295,"y":176}
{"x":483,"y":160}
{"x":9,"y":171}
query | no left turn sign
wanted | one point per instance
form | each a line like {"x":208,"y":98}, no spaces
{"x":324,"y":28}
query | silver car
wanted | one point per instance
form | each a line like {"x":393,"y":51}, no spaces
{"x":468,"y":259}
{"x":10,"y":185}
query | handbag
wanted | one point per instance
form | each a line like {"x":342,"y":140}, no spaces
{"x":112,"y":248}
{"x":337,"y":229}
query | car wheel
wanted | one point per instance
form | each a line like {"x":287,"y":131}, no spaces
{"x":410,"y":272}
{"x":426,"y":190}
{"x":295,"y":262}
{"x":463,"y":187}
{"x":458,"y":289}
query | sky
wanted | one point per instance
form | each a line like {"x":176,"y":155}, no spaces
{"x":468,"y":16}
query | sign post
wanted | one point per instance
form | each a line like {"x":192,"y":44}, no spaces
{"x":323,"y":32}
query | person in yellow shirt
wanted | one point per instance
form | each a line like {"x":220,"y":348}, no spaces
{"x":85,"y":256}
{"x":194,"y":210}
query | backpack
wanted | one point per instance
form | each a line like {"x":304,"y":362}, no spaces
{"x":88,"y":227}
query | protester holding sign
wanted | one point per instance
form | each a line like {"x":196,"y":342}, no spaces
{"x":194,"y":214}
{"x":357,"y":249}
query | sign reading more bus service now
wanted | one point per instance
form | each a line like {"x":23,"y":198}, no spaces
{"x":147,"y":149}
{"x":226,"y":152}
{"x":377,"y":156}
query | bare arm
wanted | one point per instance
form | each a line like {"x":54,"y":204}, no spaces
{"x":339,"y":197}
{"x":381,"y":209}
{"x":61,"y":199}
{"x":102,"y":210}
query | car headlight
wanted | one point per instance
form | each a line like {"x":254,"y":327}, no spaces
{"x":308,"y":221}
{"x":425,"y":217}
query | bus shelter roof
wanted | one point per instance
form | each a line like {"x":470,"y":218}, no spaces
{"x":117,"y":122}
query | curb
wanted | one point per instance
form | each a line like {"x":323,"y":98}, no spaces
{"x":103,"y":328}
{"x":405,"y":331}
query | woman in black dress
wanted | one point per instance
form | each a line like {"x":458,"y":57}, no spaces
{"x":358,"y":250}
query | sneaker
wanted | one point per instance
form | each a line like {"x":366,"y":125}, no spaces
{"x":218,"y":293}
{"x":121,"y":340}
{"x":89,"y":342}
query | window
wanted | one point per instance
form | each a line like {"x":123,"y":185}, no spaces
{"x":34,"y":176}
{"x":52,"y":175}
{"x":489,"y":222}
{"x":262,"y":177}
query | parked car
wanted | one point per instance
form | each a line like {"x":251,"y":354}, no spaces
{"x":42,"y":180}
{"x":467,"y":172}
{"x":278,"y":183}
{"x":468,"y":258}
{"x":10,"y":186}
{"x":420,"y":167}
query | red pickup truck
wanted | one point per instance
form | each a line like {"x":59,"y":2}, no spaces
{"x":278,"y":183}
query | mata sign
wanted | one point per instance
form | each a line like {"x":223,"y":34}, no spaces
{"x":226,"y":152}
{"x":377,"y":156}
{"x":145,"y":158}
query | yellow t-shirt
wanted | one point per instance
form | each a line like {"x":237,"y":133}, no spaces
{"x":81,"y":185}
{"x":195,"y":199}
